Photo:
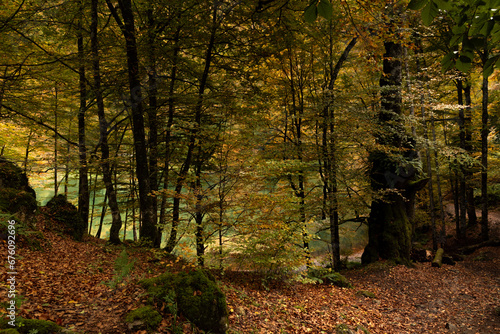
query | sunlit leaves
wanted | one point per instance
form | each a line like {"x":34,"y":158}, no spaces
{"x":476,"y":29}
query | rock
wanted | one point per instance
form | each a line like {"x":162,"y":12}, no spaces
{"x":16,"y":196}
{"x":30,"y":326}
{"x":9,"y":331}
{"x":343,"y":329}
{"x":448,"y":260}
{"x":143,"y":318}
{"x":195,"y":295}
{"x":420,"y":255}
{"x":451,"y":327}
{"x":67,"y":216}
{"x":365,"y":293}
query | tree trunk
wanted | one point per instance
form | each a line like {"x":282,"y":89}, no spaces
{"x":328,"y":156}
{"x":389,"y":229}
{"x":462,"y":226}
{"x":484,"y":159}
{"x":116,"y":224}
{"x":193,"y":141}
{"x":153,"y":120}
{"x":471,"y":206}
{"x":148,"y":230}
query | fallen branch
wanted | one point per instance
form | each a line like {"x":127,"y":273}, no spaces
{"x":472,"y":248}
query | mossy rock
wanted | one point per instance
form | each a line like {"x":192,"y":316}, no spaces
{"x":343,"y":329}
{"x":367,"y":294}
{"x":66,"y":214}
{"x":196,"y":295}
{"x":145,"y":317}
{"x":328,"y":276}
{"x":24,"y":326}
{"x":16,"y":196}
{"x":9,"y":331}
{"x":11,"y":176}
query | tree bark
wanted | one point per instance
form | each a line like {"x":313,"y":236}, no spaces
{"x":194,"y":140}
{"x":389,"y":229}
{"x":83,"y":179}
{"x":153,"y":120}
{"x":328,"y":156}
{"x":148,"y":230}
{"x":484,"y":160}
{"x":116,"y":223}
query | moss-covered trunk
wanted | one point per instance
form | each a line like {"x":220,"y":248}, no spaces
{"x":389,"y":231}
{"x":393,"y":171}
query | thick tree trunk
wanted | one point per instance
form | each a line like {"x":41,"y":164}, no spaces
{"x":389,"y":230}
{"x":116,"y":223}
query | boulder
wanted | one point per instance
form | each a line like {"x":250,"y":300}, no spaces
{"x":66,"y":216}
{"x":196,"y":296}
{"x":16,"y":196}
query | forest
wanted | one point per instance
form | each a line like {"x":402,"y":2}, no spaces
{"x":261,"y":143}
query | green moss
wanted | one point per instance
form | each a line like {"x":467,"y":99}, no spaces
{"x":365,"y":293}
{"x":149,"y":317}
{"x":342,"y":329}
{"x":197,"y":297}
{"x":24,"y":326}
{"x":9,"y":331}
{"x":328,"y":276}
{"x":67,"y":215}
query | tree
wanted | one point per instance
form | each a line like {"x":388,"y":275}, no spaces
{"x":103,"y":131}
{"x":148,"y":230}
{"x":476,"y":29}
{"x":394,"y":168}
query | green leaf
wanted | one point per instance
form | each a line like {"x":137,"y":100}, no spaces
{"x":311,"y":13}
{"x":447,"y":62}
{"x":463,"y":64}
{"x":417,"y":4}
{"x":489,"y":67}
{"x":429,"y":12}
{"x":325,"y":9}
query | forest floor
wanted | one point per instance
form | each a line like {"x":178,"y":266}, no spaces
{"x":66,"y":283}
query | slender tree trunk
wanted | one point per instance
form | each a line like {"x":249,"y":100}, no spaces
{"x":153,"y":119}
{"x":442,"y":233}
{"x":93,"y":202}
{"x":148,"y":230}
{"x":83,"y":179}
{"x":103,"y":214}
{"x":461,"y":232}
{"x":328,"y":152}
{"x":27,"y":152}
{"x":168,"y":131}
{"x":471,"y":206}
{"x":193,"y":141}
{"x":484,"y":157}
{"x":116,"y":223}
{"x":56,"y":166}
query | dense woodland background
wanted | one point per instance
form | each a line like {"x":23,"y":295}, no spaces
{"x":258,"y":131}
